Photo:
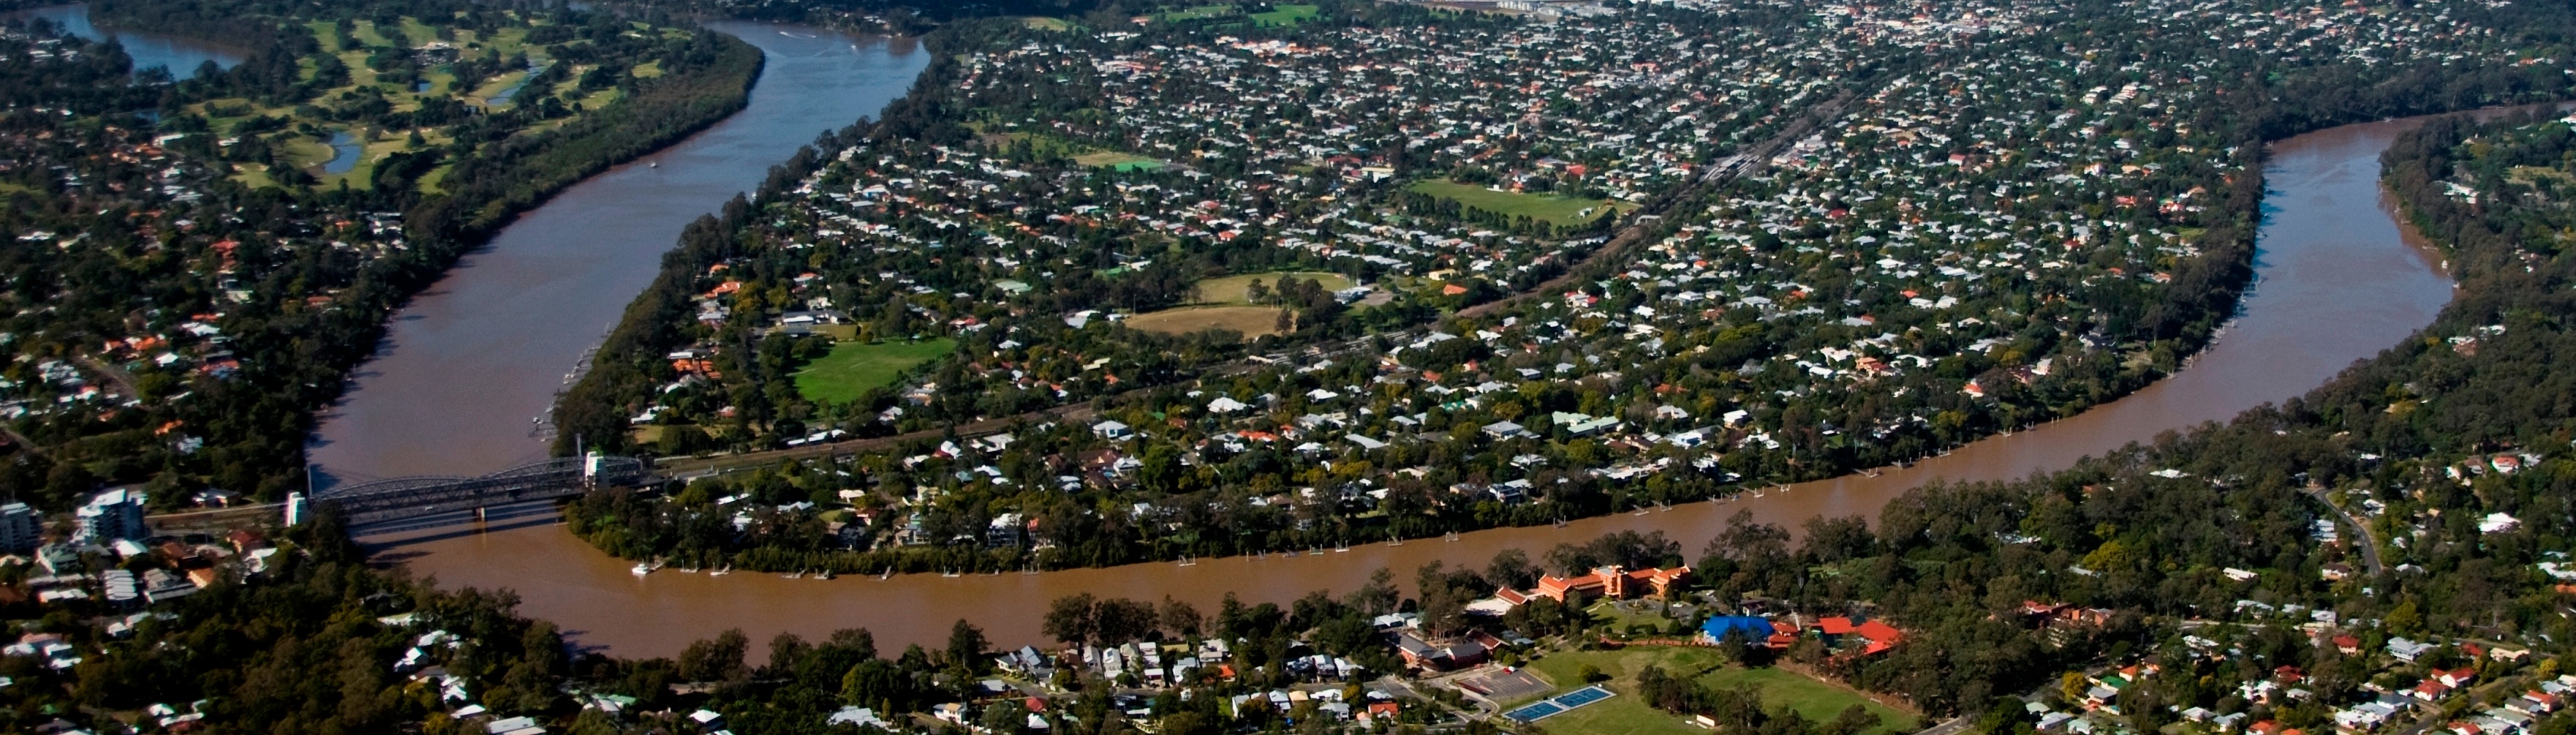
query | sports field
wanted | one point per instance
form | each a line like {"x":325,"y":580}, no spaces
{"x":1119,"y":160}
{"x":1285,"y":15}
{"x":1815,"y":700}
{"x":1203,"y":12}
{"x":1252,"y":321}
{"x":1232,"y":289}
{"x":1549,"y":208}
{"x":854,"y":367}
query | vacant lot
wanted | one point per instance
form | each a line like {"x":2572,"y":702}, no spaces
{"x":854,"y":367}
{"x":1549,"y":208}
{"x":1252,"y":321}
{"x":1232,"y":289}
{"x":1626,"y":713}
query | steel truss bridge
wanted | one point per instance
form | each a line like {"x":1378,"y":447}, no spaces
{"x":408,"y":499}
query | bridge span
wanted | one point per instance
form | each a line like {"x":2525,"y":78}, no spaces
{"x":403,"y":503}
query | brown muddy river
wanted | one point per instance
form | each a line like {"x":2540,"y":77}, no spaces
{"x":2337,"y":282}
{"x":471,"y":361}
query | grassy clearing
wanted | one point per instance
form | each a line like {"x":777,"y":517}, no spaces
{"x":1203,"y":12}
{"x":1120,"y":160}
{"x":1549,"y":208}
{"x":1285,"y":15}
{"x":1047,"y":24}
{"x":854,"y":367}
{"x":1231,"y":289}
{"x":1626,"y":713}
{"x":1252,"y":321}
{"x":1815,"y":700}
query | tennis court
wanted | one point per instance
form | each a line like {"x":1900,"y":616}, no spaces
{"x":1558,"y":705}
{"x":1533,"y":712}
{"x":1583,"y":696}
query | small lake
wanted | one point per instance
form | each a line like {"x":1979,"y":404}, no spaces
{"x":347,"y":150}
{"x":180,"y":55}
{"x":505,"y":95}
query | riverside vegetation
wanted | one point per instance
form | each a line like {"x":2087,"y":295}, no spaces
{"x":190,"y":274}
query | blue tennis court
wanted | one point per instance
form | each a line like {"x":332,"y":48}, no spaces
{"x":1557,"y":705}
{"x":1583,"y":696}
{"x":1533,"y":712}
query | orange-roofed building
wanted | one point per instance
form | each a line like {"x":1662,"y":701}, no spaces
{"x":1610,"y":581}
{"x":1836,"y":625}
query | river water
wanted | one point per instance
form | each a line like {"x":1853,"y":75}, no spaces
{"x":2337,"y":281}
{"x":466,"y":366}
{"x":180,"y":55}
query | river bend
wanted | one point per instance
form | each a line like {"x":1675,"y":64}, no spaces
{"x":2337,"y":280}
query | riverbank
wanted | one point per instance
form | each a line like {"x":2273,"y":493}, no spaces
{"x":2336,"y":281}
{"x":465,"y":367}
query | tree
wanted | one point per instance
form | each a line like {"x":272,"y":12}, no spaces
{"x":1071,"y":619}
{"x":718,"y":659}
{"x":1511,"y":568}
{"x":1162,"y":471}
{"x":786,"y":650}
{"x":966,"y":645}
{"x":1379,"y":596}
{"x":1180,"y":618}
{"x":1119,"y":620}
{"x":1005,"y":717}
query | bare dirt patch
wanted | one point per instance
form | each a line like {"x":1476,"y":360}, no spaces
{"x":1252,"y":321}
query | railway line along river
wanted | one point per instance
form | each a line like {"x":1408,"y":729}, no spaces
{"x":2338,"y":280}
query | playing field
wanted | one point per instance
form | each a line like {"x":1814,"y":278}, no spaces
{"x":1202,"y":12}
{"x":854,"y":367}
{"x":1232,"y":289}
{"x":1119,"y":160}
{"x":1815,"y":700}
{"x":1285,"y":15}
{"x":1549,"y":208}
{"x":1252,"y":321}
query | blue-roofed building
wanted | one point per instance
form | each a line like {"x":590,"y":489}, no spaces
{"x":1755,"y":630}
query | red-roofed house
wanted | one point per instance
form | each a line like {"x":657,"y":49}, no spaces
{"x":1881,"y":636}
{"x":1835,"y":626}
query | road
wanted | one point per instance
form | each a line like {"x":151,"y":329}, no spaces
{"x":1951,"y":727}
{"x":124,"y":381}
{"x":2369,"y":543}
{"x":1726,"y":170}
